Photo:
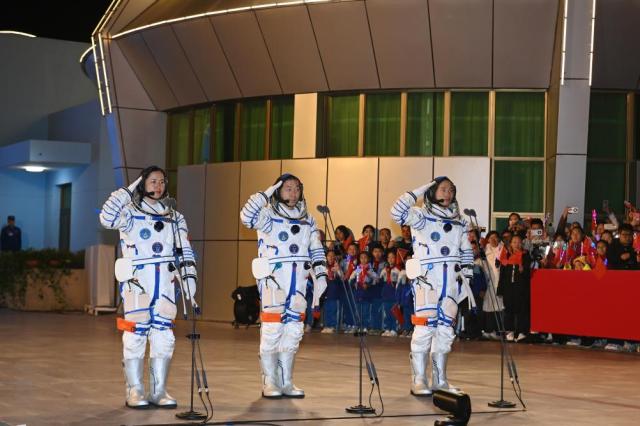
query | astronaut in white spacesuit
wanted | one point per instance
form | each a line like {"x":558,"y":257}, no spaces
{"x":441,"y":244}
{"x":289,"y":239}
{"x":154,"y":237}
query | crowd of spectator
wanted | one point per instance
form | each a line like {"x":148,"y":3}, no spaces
{"x":369,"y":271}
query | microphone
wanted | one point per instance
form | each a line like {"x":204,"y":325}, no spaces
{"x":469,"y":212}
{"x":322,"y":209}
{"x":171,"y":203}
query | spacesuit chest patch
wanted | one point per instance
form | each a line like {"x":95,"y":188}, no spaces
{"x":156,"y":247}
{"x":293,"y":248}
{"x":435,"y":236}
{"x":283,"y":236}
{"x":445,"y":251}
{"x":145,"y":233}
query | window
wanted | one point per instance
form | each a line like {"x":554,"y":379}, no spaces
{"x":519,"y":124}
{"x":179,"y":135}
{"x":253,"y":121}
{"x":382,"y":124}
{"x":281,"y":145}
{"x":607,"y":125}
{"x":201,"y":136}
{"x":225,"y":123}
{"x":421,"y":123}
{"x":518,"y":186}
{"x":469,"y":123}
{"x":342,"y":125}
{"x":605,"y":181}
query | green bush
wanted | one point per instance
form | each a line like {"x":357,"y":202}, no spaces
{"x":45,"y":268}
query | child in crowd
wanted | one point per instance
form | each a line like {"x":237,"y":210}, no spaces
{"x":361,"y":279}
{"x":580,"y":264}
{"x":374,"y":292}
{"x":391,"y":276}
{"x":367,"y":239}
{"x":333,"y":294}
{"x":601,"y":255}
{"x":348,"y":265}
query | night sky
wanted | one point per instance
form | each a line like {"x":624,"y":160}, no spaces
{"x":65,"y":20}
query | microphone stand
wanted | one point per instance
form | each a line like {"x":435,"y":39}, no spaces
{"x":194,"y":337}
{"x":499,"y":318}
{"x":364,"y":352}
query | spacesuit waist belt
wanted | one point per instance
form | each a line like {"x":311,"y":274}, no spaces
{"x":153,"y":260}
{"x":275,"y":317}
{"x":289,"y":259}
{"x":449,"y":259}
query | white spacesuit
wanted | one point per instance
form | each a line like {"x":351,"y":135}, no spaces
{"x":147,"y":227}
{"x":441,"y":244}
{"x":289,"y":239}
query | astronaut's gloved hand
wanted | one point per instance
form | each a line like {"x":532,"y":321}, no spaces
{"x":189,"y":277}
{"x":196,"y":309}
{"x":467,"y":272}
{"x":133,"y":186}
{"x":270,"y":190}
{"x":418,"y":192}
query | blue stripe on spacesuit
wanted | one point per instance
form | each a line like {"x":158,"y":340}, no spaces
{"x":287,"y":317}
{"x":156,"y":289}
{"x":445,"y":268}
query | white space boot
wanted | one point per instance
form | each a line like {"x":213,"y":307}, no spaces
{"x":439,"y":372}
{"x":159,"y":370}
{"x":289,"y":390}
{"x":133,"y":371}
{"x":270,"y":380}
{"x":419,"y":382}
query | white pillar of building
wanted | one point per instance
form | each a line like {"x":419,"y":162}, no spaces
{"x":573,"y":108}
{"x":305,"y":113}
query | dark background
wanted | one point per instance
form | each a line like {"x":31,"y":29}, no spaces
{"x":65,"y":20}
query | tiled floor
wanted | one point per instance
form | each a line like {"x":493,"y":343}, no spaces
{"x":64,"y":369}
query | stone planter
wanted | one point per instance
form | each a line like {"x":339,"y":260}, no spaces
{"x":39,"y":297}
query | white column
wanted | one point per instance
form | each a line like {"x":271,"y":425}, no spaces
{"x":573,"y":109}
{"x":305,"y":113}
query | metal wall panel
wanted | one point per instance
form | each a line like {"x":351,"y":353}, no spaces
{"x":244,"y":46}
{"x":191,"y":199}
{"x":255,"y":176}
{"x":291,"y":42}
{"x":141,"y":60}
{"x":220,"y":272}
{"x":207,"y":59}
{"x":143,"y":137}
{"x":351,"y":192}
{"x":221,"y":201}
{"x":402,"y":42}
{"x":461,"y":32}
{"x":247,"y":251}
{"x":523,"y":43}
{"x":397,"y":176}
{"x":171,"y":59}
{"x":129,"y":92}
{"x":342,"y":31}
{"x":616,"y":64}
{"x":472,"y":177}
{"x":313,"y":174}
